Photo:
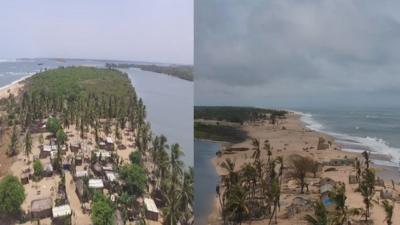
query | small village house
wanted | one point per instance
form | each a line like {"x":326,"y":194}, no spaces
{"x":386,"y":193}
{"x":110,"y":144}
{"x":78,"y":160}
{"x":75,"y":146}
{"x":96,"y":184}
{"x":353,"y":179}
{"x":97,"y":169}
{"x":151,"y":209}
{"x":66,"y":163}
{"x":45,"y":151}
{"x":61,"y":214}
{"x":48,"y":170}
{"x":81,"y":173}
{"x":41,"y":208}
{"x":25,"y":177}
{"x":326,"y":186}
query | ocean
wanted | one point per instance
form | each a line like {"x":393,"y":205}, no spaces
{"x":358,"y":129}
{"x":168,"y":100}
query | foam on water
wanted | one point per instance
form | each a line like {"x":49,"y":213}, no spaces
{"x":356,"y":144}
{"x":7,"y":60}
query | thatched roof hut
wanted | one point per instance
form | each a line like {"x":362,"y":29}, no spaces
{"x":97,"y":169}
{"x":25,"y":177}
{"x":41,"y":208}
{"x":79,"y":189}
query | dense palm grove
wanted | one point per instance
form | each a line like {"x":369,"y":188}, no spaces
{"x":101,"y":102}
{"x":253,"y":192}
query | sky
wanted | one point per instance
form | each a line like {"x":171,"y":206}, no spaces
{"x":151,"y":30}
{"x":297,"y":53}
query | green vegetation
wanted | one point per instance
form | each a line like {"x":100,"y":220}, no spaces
{"x":219,"y":133}
{"x":388,"y":207}
{"x":37,"y":169}
{"x":321,"y":215}
{"x":180,"y":71}
{"x":134,"y":177}
{"x":72,"y":82}
{"x":135,"y":157}
{"x":12,"y":195}
{"x":367,"y":183}
{"x":236,"y":114}
{"x":12,"y":148}
{"x":102,"y":211}
{"x":28,"y":143}
{"x":53,"y":125}
{"x":252,"y":191}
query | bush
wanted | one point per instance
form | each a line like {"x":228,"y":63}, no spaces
{"x":102,"y":212}
{"x":53,"y":125}
{"x":135,"y":178}
{"x":37,"y":169}
{"x":135,"y":157}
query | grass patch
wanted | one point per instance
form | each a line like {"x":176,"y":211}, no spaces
{"x":235,"y":114}
{"x":219,"y":133}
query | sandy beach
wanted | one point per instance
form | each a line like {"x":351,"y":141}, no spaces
{"x":291,"y":137}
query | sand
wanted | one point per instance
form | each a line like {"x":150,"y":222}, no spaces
{"x":296,"y":139}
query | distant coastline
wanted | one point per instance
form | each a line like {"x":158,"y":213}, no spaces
{"x":180,"y":71}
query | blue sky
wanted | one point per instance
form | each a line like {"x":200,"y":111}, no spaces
{"x":295,"y":53}
{"x":151,"y":30}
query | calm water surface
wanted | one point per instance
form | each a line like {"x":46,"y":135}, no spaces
{"x":206,"y":179}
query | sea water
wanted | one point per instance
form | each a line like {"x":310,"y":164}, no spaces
{"x":358,"y":129}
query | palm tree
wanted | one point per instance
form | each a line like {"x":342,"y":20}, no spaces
{"x":12,"y":149}
{"x":171,"y":212}
{"x":176,"y":163}
{"x":358,"y":170}
{"x":28,"y":143}
{"x":389,"y":211}
{"x":275,"y":193}
{"x":320,"y":213}
{"x":229,"y":165}
{"x":367,"y":189}
{"x":268,"y":148}
{"x":365,"y":154}
{"x":338,"y":195}
{"x":249,"y":174}
{"x":237,"y":207}
{"x":186,"y":196}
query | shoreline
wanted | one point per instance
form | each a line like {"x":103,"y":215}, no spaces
{"x":16,"y":81}
{"x":300,"y":132}
{"x":356,"y":144}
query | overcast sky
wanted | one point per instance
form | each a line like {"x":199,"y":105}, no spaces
{"x":295,"y":53}
{"x":151,"y":30}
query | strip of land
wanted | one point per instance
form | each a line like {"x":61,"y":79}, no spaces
{"x":77,"y":140}
{"x":288,"y":140}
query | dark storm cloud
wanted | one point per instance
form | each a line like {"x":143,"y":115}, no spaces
{"x":277,"y":52}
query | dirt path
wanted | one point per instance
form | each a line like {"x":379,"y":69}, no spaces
{"x":78,"y":217}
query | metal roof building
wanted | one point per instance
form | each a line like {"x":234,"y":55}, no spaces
{"x":96,"y":183}
{"x":60,"y":211}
